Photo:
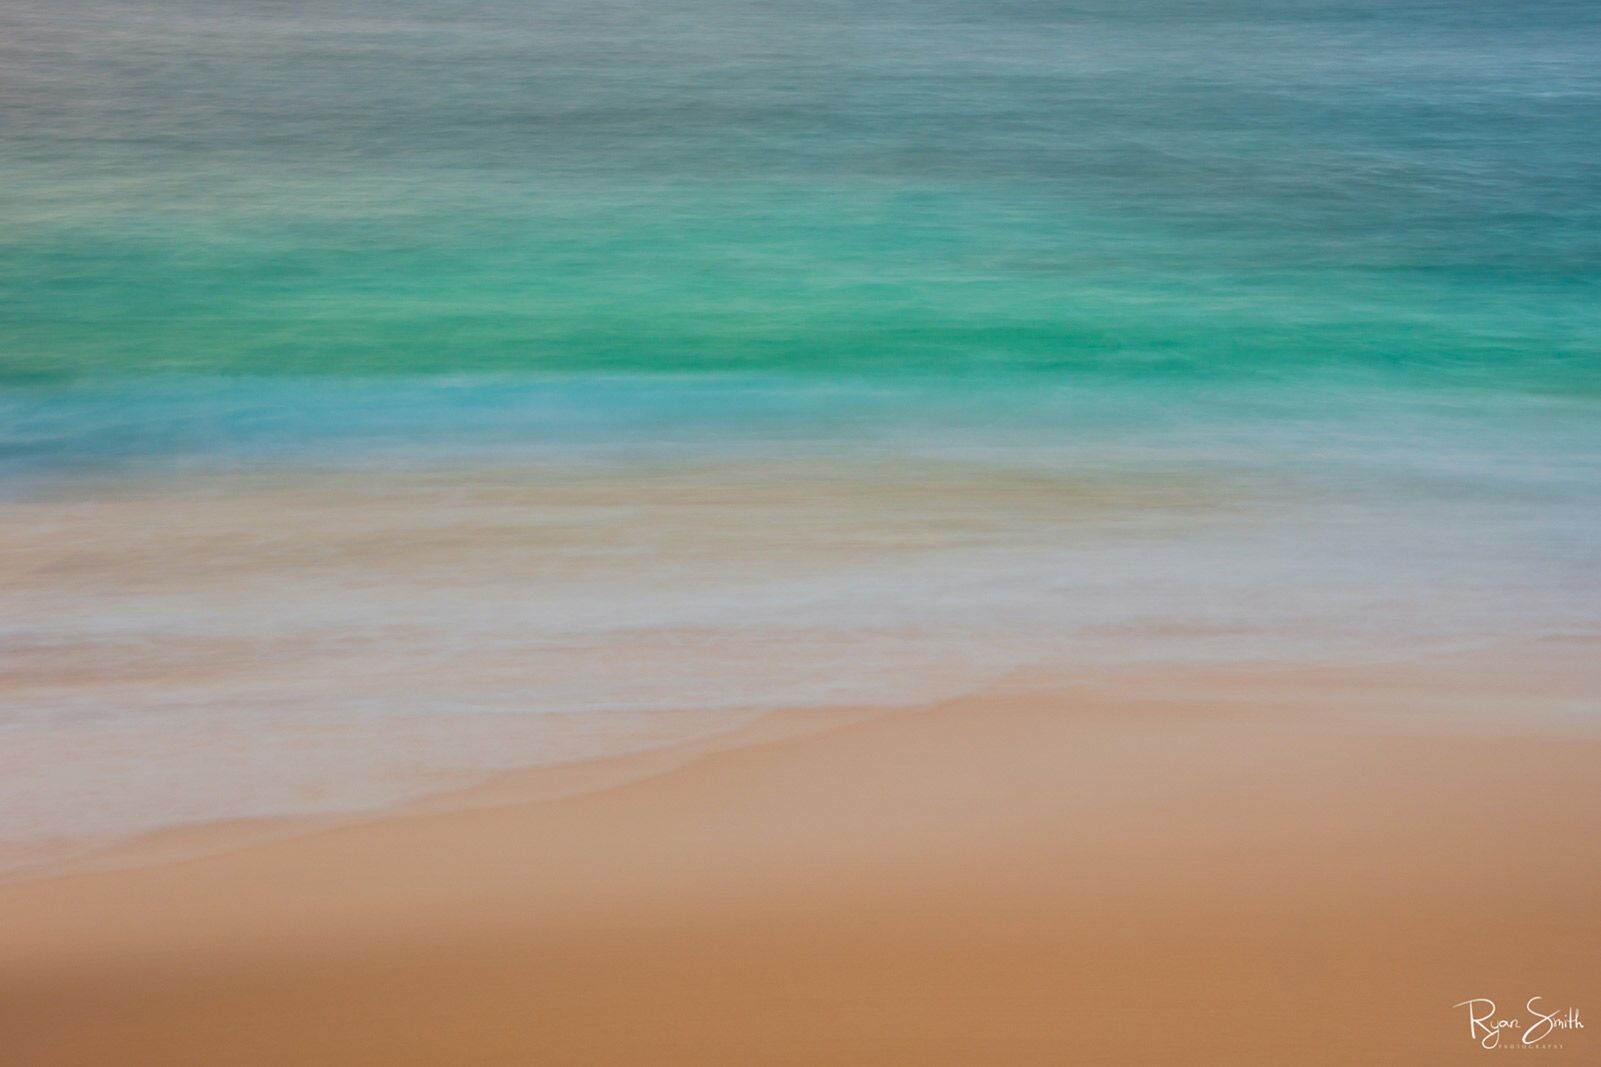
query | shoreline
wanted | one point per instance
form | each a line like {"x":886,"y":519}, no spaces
{"x":525,"y":785}
{"x":1390,"y":692}
{"x":1018,"y":876}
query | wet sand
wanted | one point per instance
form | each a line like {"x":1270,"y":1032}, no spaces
{"x":1284,"y":871}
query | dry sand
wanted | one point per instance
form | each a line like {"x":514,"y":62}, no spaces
{"x":1294,"y":872}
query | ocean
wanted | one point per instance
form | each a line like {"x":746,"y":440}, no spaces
{"x":394,"y":393}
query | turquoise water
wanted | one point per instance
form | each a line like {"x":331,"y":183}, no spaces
{"x":392,"y":392}
{"x":1156,"y":191}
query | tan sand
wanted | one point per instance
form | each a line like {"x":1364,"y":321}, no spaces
{"x":1054,"y":876}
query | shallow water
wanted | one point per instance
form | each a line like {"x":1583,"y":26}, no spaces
{"x":394,"y":392}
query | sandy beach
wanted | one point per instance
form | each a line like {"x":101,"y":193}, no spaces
{"x":1231,"y":871}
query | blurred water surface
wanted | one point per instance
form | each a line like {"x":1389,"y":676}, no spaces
{"x":391,"y":392}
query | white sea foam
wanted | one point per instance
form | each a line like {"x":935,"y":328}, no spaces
{"x":189,"y":640}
